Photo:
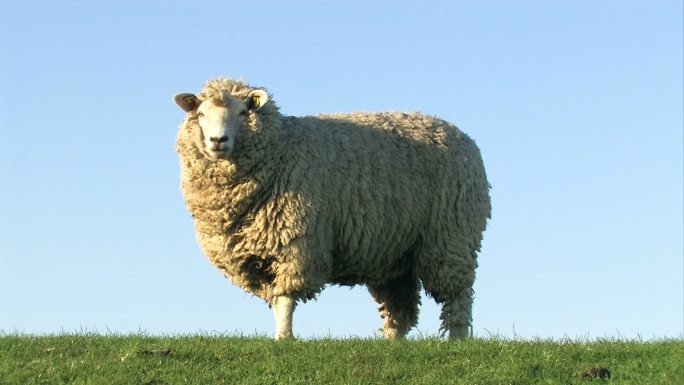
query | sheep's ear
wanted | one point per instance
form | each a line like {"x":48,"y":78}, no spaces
{"x":256,"y":99}
{"x":187,"y":102}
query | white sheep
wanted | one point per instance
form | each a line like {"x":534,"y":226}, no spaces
{"x":284,"y":205}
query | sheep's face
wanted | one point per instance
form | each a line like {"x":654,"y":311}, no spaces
{"x":220,"y":119}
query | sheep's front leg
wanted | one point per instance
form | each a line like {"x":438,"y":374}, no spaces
{"x":283,"y":307}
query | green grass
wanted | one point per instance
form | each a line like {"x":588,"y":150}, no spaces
{"x":97,"y":359}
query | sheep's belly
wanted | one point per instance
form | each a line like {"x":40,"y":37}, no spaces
{"x":372,"y":268}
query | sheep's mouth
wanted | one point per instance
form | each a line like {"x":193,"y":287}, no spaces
{"x":217,"y":147}
{"x":217,"y":154}
{"x":222,"y":153}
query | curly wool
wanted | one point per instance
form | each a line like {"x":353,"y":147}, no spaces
{"x":390,"y":200}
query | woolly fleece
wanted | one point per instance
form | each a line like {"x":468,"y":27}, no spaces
{"x":390,"y":200}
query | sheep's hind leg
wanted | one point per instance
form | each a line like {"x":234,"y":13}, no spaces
{"x":457,"y":315}
{"x":283,"y":308}
{"x":449,"y":281}
{"x":399,"y":299}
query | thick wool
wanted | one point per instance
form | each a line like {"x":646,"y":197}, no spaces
{"x":394,"y":201}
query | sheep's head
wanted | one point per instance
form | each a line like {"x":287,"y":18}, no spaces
{"x":220,"y":118}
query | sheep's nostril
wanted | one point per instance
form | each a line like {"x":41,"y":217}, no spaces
{"x":218,"y":140}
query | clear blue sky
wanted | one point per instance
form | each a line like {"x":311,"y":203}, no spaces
{"x":576,"y":105}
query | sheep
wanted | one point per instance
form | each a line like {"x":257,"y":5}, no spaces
{"x":285,"y":205}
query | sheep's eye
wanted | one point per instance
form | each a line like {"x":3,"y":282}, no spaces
{"x":200,"y":114}
{"x":243,"y":113}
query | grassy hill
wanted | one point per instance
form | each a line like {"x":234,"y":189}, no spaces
{"x":97,"y":359}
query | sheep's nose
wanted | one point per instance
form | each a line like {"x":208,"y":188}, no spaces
{"x":218,"y":140}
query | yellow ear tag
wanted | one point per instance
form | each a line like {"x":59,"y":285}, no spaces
{"x":256,"y":100}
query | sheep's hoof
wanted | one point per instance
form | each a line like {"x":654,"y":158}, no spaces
{"x":280,"y":337}
{"x":459,"y":332}
{"x":390,"y":333}
{"x":393,"y":333}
